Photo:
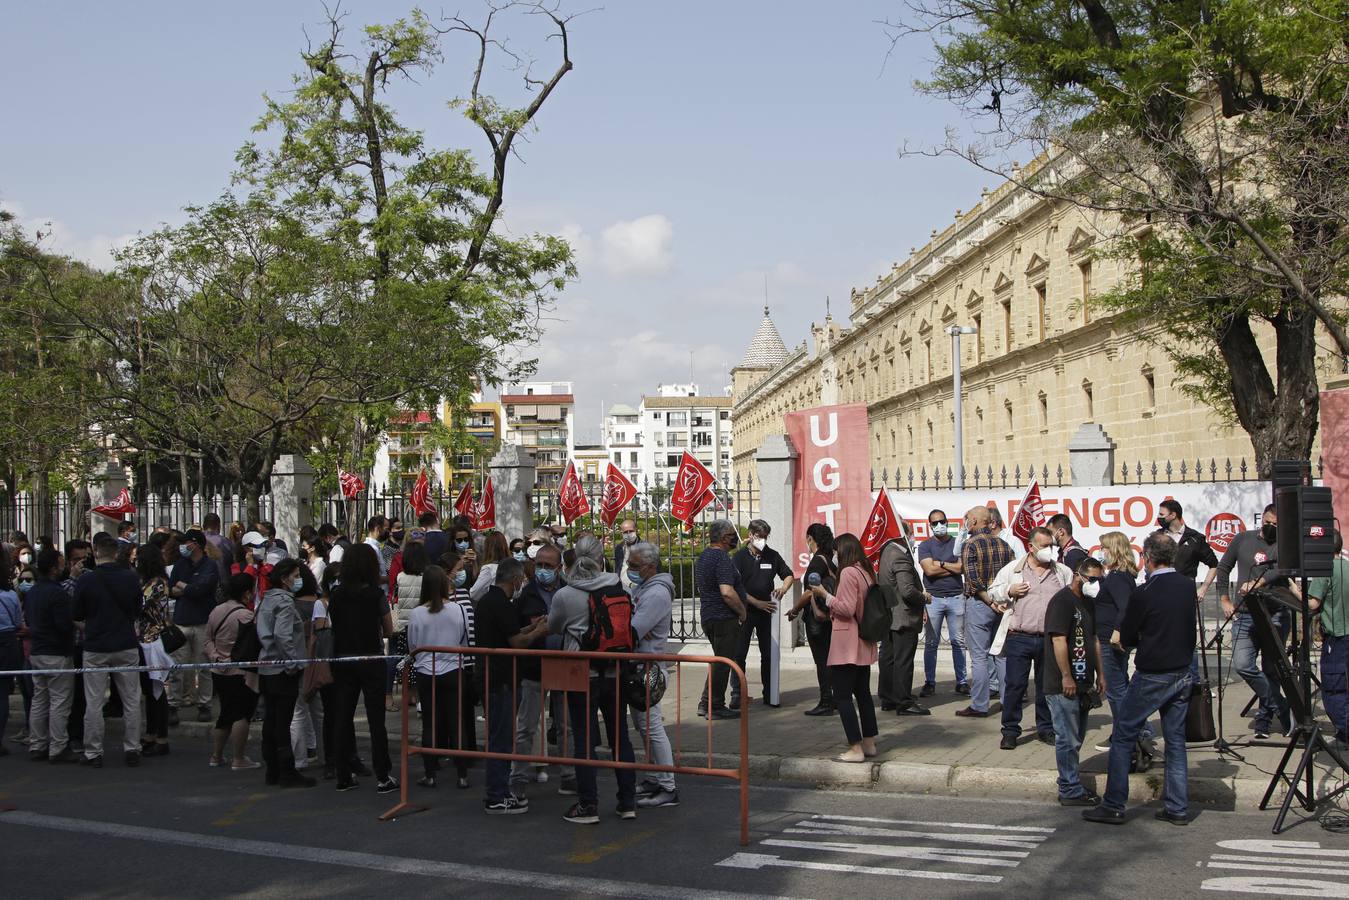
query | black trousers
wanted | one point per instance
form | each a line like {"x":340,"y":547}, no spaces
{"x":354,"y":682}
{"x":279,"y":693}
{"x":156,"y":710}
{"x":898,"y":650}
{"x":758,"y":623}
{"x":443,"y":723}
{"x":818,"y":638}
{"x":853,"y":683}
{"x":725,"y":637}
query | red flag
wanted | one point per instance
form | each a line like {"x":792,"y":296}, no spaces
{"x":618,"y":493}
{"x":571,"y":497}
{"x":463,"y":503}
{"x":420,"y":499}
{"x":882,"y":527}
{"x":692,"y":491}
{"x":1029,"y":515}
{"x":350,"y":483}
{"x":119,"y":506}
{"x":484,"y":515}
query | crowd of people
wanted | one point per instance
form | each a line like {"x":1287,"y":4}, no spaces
{"x":1054,"y":616}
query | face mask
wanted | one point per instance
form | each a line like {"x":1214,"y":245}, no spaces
{"x":735,"y":541}
{"x":629,"y":537}
{"x":545,"y":576}
{"x":759,"y":544}
{"x":184,"y":551}
{"x":396,"y":537}
{"x":1269,"y":532}
{"x":132,"y":537}
{"x":1091,"y":589}
{"x":560,"y":540}
{"x":460,"y":577}
{"x":532,"y":551}
{"x":1045,"y":554}
{"x":461,"y":545}
{"x":519,"y":589}
{"x":519,"y":555}
{"x":940,"y":530}
{"x":1162,"y":523}
{"x":26,"y":558}
{"x":258,"y":552}
{"x":834,"y":559}
{"x":24,"y":586}
{"x":296,"y":584}
{"x":635,"y":577}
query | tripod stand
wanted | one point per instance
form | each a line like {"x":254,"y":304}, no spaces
{"x":1222,"y":745}
{"x":1298,"y":689}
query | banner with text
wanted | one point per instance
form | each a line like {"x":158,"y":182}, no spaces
{"x":833,"y":474}
{"x":1219,"y":511}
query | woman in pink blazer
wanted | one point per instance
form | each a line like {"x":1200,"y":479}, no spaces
{"x":850,"y":657}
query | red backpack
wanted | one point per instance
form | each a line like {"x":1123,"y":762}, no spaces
{"x":610,"y":629}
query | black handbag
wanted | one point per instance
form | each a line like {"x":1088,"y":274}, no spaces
{"x":1199,"y":716}
{"x":173,"y":639}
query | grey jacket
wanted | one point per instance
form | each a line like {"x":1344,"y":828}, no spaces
{"x":280,"y":631}
{"x":652,"y":602}
{"x":899,"y":584}
{"x":569,"y":615}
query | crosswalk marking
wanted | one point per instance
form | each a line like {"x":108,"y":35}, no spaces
{"x":1269,"y":862}
{"x":937,"y":851}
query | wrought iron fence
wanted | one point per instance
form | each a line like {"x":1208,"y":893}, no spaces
{"x":737,"y":499}
{"x":61,"y":516}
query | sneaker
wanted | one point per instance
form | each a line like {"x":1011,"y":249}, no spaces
{"x":541,"y":776}
{"x":386,"y":786}
{"x":427,"y":781}
{"x":1087,"y":799}
{"x":648,"y":787}
{"x":567,"y":786}
{"x":722,"y":712}
{"x":360,"y":768}
{"x":1103,"y":816}
{"x":349,"y":785}
{"x":1262,"y":731}
{"x":133,"y":758}
{"x":245,"y":765}
{"x":509,"y":805}
{"x":581,"y":814}
{"x":660,"y":798}
{"x":626,"y":812}
{"x":462,"y":782}
{"x":65,"y":756}
{"x":927,"y":690}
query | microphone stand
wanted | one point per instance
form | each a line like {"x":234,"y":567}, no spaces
{"x":1222,"y":745}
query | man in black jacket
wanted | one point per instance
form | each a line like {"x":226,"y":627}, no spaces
{"x":52,"y":631}
{"x":1192,"y":548}
{"x":107,"y":601}
{"x":897,"y":576}
{"x":193,"y":583}
{"x":1160,"y":622}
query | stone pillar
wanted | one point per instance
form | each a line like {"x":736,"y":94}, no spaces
{"x":292,"y":498}
{"x":512,"y":473}
{"x":1091,"y":456}
{"x":776,"y":463}
{"x":104,"y":486}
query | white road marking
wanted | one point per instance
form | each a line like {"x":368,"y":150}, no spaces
{"x":400,"y":865}
{"x":763,"y":860}
{"x":1285,"y":887}
{"x":1289,"y":860}
{"x":1268,"y":858}
{"x":871,"y":820}
{"x":1015,"y":842}
{"x":1284,"y":848}
{"x":934,"y":854}
{"x":1300,"y":869}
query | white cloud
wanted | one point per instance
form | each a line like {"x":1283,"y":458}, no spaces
{"x":57,"y":237}
{"x":640,"y":247}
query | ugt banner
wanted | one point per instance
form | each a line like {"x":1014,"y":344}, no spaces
{"x":833,"y":474}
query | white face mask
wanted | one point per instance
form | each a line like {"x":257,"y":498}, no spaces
{"x":1045,"y":554}
{"x":759,"y":544}
{"x":629,"y":537}
{"x":1091,"y":589}
{"x":532,"y":551}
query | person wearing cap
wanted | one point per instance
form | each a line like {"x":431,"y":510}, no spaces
{"x":193,"y":583}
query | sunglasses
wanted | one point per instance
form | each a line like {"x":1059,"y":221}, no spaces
{"x":25,"y":581}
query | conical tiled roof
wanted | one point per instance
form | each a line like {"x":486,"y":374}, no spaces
{"x":766,"y":351}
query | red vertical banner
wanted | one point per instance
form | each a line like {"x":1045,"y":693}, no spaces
{"x":1335,"y":451}
{"x":833,"y":473}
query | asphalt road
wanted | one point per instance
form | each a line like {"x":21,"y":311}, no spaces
{"x":175,"y":827}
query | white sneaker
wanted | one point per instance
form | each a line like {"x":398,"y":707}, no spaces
{"x":541,"y":776}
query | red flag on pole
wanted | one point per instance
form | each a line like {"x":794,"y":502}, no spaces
{"x":692,"y":491}
{"x":463,"y":503}
{"x":1029,"y":515}
{"x":119,"y":506}
{"x":421,"y":495}
{"x":618,"y":493}
{"x":350,"y":483}
{"x":882,"y":527}
{"x":571,"y":497}
{"x":484,"y":515}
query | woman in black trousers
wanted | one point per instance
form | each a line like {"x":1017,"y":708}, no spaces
{"x":824,"y":571}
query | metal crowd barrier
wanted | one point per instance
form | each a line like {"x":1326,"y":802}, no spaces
{"x":569,"y":671}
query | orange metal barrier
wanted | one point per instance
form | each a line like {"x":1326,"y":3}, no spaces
{"x":569,"y":671}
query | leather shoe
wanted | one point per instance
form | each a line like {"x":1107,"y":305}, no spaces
{"x":962,"y":689}
{"x":1087,"y":799}
{"x":1104,"y":816}
{"x":1045,"y":737}
{"x":970,"y":712}
{"x":721,"y":712}
{"x":822,"y":710}
{"x":913,"y":710}
{"x":1162,"y":815}
{"x":927,"y":690}
{"x":1008,"y":743}
{"x":888,"y":707}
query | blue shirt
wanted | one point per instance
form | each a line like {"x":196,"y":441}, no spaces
{"x":941,"y":551}
{"x":11,"y":614}
{"x":712,"y":570}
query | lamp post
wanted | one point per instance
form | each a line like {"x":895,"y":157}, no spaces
{"x":955,"y":331}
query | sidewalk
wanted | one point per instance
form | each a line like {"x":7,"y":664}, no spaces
{"x":937,"y":754}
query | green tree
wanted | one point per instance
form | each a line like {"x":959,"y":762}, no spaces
{"x":1210,"y":134}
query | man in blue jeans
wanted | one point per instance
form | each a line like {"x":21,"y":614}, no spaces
{"x":1072,"y":668}
{"x":983,"y":556}
{"x":1160,"y":622}
{"x":942,"y":571}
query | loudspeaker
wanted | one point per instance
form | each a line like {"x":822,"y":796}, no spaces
{"x":1291,"y":473}
{"x":1306,"y":530}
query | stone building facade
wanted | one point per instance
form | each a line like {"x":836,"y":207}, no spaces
{"x":1044,"y":360}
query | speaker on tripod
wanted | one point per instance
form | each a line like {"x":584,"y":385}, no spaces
{"x":1306,"y":530}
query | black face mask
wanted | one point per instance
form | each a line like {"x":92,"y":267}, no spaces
{"x":396,"y":537}
{"x":1269,"y":532}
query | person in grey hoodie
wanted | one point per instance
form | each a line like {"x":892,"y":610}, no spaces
{"x":653,"y":598}
{"x":281,"y":634}
{"x":570,"y":617}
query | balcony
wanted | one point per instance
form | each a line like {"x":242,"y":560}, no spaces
{"x":552,"y":442}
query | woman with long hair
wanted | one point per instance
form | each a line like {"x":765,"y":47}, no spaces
{"x":438,"y":622}
{"x":407,"y":596}
{"x":1121,"y":576}
{"x":360,"y":621}
{"x":850,"y":655}
{"x":494,"y":550}
{"x":150,"y":624}
{"x":822,"y":570}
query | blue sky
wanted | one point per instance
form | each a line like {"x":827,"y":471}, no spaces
{"x":696,"y":147}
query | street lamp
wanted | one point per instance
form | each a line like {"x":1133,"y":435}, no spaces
{"x":955,"y":331}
